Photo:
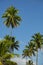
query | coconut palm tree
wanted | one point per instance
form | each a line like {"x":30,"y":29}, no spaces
{"x":11,"y":17}
{"x":5,"y":54}
{"x":28,"y":51}
{"x":37,"y":39}
{"x":14,"y":44}
{"x":31,"y":48}
{"x":25,"y":54}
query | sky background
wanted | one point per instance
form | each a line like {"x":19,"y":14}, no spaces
{"x":31,"y":12}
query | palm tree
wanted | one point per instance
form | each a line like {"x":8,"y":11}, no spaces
{"x":25,"y":54}
{"x":29,"y":51}
{"x":31,"y":48}
{"x":11,"y":17}
{"x":37,"y":39}
{"x":13,"y":44}
{"x":5,"y":54}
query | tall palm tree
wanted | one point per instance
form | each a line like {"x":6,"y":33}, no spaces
{"x":37,"y":39}
{"x":25,"y":54}
{"x":5,"y":53}
{"x":11,"y":17}
{"x":29,"y":51}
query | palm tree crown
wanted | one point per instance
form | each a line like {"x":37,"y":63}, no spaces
{"x":37,"y":39}
{"x":11,"y":17}
{"x":13,"y":44}
{"x":31,"y":48}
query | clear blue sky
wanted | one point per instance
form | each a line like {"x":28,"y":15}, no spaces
{"x":31,"y":12}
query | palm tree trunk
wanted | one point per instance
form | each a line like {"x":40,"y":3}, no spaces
{"x":26,"y":60}
{"x":37,"y":58}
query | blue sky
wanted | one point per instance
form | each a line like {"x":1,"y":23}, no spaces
{"x":31,"y":12}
